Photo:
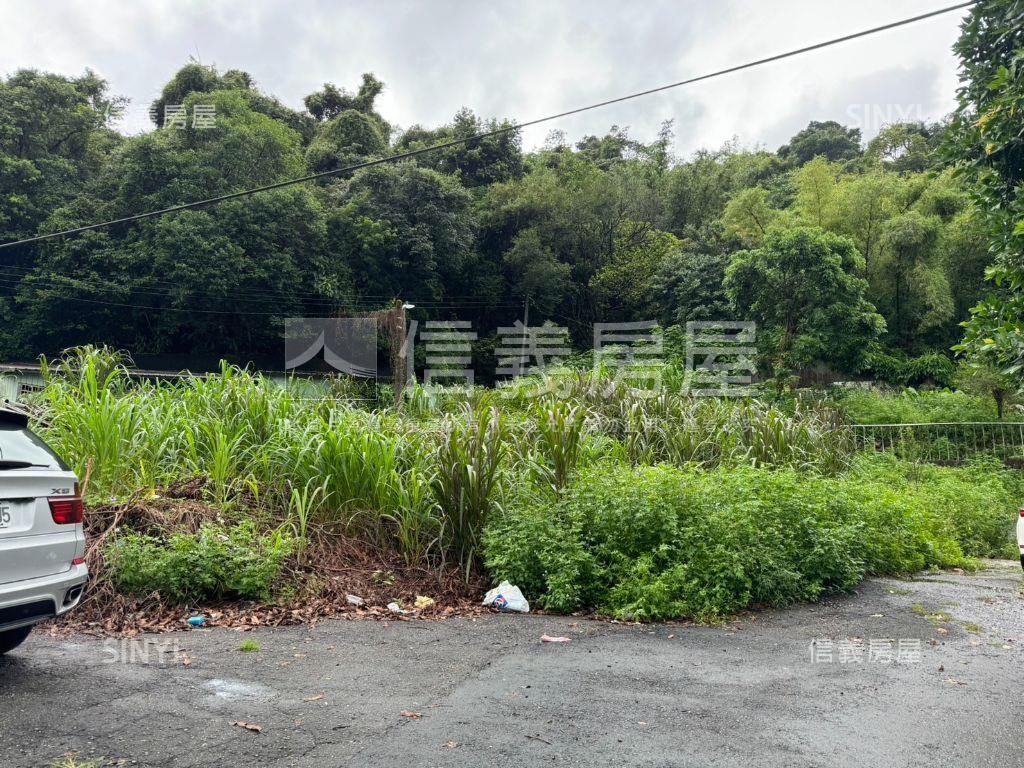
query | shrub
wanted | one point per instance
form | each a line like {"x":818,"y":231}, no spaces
{"x":217,"y":562}
{"x":911,"y":407}
{"x":901,"y":371}
{"x":659,"y":542}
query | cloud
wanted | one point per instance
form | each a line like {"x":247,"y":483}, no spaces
{"x":520,"y":60}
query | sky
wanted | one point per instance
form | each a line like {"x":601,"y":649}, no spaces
{"x":521,"y":60}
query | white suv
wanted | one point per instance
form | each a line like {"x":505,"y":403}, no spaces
{"x":42,"y":545}
{"x":1020,"y":536}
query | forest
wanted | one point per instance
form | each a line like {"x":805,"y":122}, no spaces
{"x":859,"y":258}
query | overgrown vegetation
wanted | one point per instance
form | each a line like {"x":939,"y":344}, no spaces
{"x":662,"y":542}
{"x":917,"y":407}
{"x":855,"y":261}
{"x":597,"y":498}
{"x":216,"y":562}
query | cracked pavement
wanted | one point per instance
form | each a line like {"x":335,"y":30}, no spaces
{"x":488,"y":693}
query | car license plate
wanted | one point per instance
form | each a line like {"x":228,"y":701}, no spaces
{"x":13,"y":514}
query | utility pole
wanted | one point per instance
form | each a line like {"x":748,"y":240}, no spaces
{"x":399,"y":356}
{"x":526,"y":332}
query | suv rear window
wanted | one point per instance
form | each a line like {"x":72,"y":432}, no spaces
{"x":20,"y":444}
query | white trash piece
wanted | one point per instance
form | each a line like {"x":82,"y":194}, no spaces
{"x":507,"y":597}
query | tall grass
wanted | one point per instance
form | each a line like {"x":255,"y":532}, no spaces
{"x":467,"y":471}
{"x":423,"y":481}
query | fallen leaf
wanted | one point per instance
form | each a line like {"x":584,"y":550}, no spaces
{"x":452,"y":744}
{"x":410,"y":714}
{"x":550,"y":639}
{"x":942,"y":631}
{"x":249,"y":726}
{"x":314,"y":698}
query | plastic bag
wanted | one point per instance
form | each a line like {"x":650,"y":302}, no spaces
{"x":507,"y":597}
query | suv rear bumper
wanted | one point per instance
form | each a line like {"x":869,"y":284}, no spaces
{"x":32,"y":594}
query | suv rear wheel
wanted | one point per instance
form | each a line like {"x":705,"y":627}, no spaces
{"x":12,"y":638}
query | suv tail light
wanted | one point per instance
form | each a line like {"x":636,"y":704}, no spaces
{"x":67,"y":510}
{"x":1022,"y":511}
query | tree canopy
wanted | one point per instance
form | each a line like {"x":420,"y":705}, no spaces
{"x":842,"y":252}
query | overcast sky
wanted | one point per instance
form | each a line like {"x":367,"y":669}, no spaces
{"x":520,"y":60}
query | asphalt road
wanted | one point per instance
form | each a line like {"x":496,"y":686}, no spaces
{"x":488,"y":693}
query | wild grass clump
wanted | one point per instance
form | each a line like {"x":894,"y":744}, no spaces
{"x":658,"y":542}
{"x":467,"y":471}
{"x":912,"y":407}
{"x":584,"y":491}
{"x":218,"y":562}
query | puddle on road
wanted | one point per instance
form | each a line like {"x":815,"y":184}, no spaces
{"x":238,"y":690}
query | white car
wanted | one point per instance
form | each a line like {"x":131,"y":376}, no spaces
{"x":1020,"y":536}
{"x":42,"y":543}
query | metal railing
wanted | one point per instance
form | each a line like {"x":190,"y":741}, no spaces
{"x":944,"y":442}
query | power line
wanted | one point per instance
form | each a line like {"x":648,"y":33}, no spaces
{"x":497,"y":131}
{"x":150,"y":286}
{"x":57,"y":281}
{"x":343,"y":305}
{"x":273,"y":313}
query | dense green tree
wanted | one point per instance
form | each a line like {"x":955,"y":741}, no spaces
{"x":476,"y":163}
{"x":817,"y":188}
{"x":350,"y":129}
{"x":804,"y":289}
{"x":907,"y":147}
{"x":345,"y":140}
{"x":535,"y":271}
{"x":197,"y":280}
{"x":195,"y":78}
{"x":914,"y":287}
{"x":987,"y":143}
{"x":689,"y":286}
{"x":329,"y":103}
{"x":827,"y":139}
{"x":863,"y":204}
{"x":54,"y":137}
{"x":748,"y":216}
{"x":405,"y":232}
{"x":696,"y":192}
{"x":624,"y":287}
